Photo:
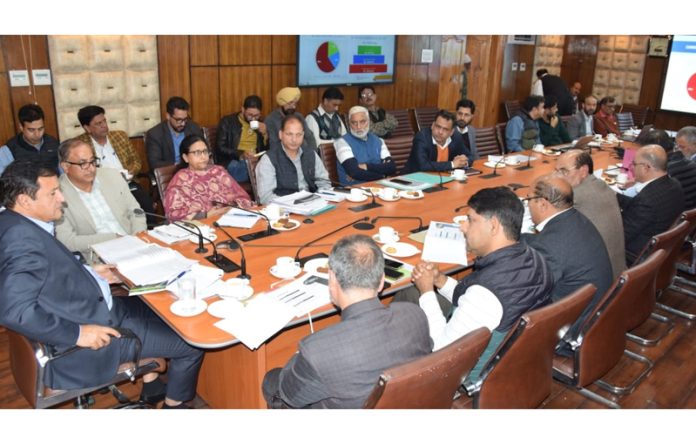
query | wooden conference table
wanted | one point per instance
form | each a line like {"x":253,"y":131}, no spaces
{"x":231,"y":373}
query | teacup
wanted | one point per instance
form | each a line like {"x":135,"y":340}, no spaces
{"x":254,"y":124}
{"x":538,"y":147}
{"x":272,"y":211}
{"x":459,"y":174}
{"x":389,"y":193}
{"x":285,"y":265}
{"x":387,"y":235}
{"x":356,"y":194}
{"x":622,"y":178}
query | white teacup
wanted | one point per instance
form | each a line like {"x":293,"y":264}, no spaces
{"x":538,"y":147}
{"x":285,"y":265}
{"x":622,"y":178}
{"x":356,"y":194}
{"x":389,"y":193}
{"x":272,"y":211}
{"x":254,"y":124}
{"x":459,"y":174}
{"x":611,"y":136}
{"x":387,"y":235}
{"x":597,"y":137}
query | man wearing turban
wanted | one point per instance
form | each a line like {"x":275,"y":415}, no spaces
{"x":287,"y":99}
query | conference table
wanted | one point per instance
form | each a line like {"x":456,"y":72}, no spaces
{"x":231,"y":374}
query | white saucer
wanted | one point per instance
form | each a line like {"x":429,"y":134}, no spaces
{"x":224,"y":308}
{"x":394,"y":199}
{"x":612,"y":172}
{"x":297,"y":270}
{"x":493,"y":164}
{"x":311,"y":266}
{"x":400,"y":249}
{"x":377,"y":239}
{"x":296,"y":224}
{"x":180,"y":308}
{"x":459,"y":219}
{"x":194,"y":237}
{"x":362,"y":198}
{"x":236,"y":288}
{"x":405,"y":194}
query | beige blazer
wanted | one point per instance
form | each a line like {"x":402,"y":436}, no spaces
{"x":76,"y":229}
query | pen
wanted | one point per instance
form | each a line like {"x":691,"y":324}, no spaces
{"x":242,"y":215}
{"x":176,"y":278}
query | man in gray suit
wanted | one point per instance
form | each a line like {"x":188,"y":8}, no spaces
{"x":98,"y":203}
{"x":337,"y":367}
{"x":594,"y":199}
{"x":465,"y":114}
{"x":581,"y":124}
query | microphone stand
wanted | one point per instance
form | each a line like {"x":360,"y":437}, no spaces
{"x":364,"y":207}
{"x":495,"y":169}
{"x":458,"y":209}
{"x":251,"y":236}
{"x":233,"y":245}
{"x":302,"y":261}
{"x":415,"y":230}
{"x":529,"y":163}
{"x":440,"y":187}
{"x":216,"y":259}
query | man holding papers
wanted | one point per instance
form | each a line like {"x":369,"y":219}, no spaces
{"x":337,"y":367}
{"x":48,"y":296}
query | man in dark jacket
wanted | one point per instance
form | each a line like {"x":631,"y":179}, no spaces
{"x":438,"y":148}
{"x":162,"y":141}
{"x":555,"y":86}
{"x":239,"y":135}
{"x":31,"y":142}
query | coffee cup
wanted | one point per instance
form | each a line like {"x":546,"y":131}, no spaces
{"x":389,"y":193}
{"x":254,"y":124}
{"x":356,"y":194}
{"x":272,"y":211}
{"x":126,"y":175}
{"x":387,"y":234}
{"x":459,"y":174}
{"x":597,"y":137}
{"x":622,"y":178}
{"x":538,"y":147}
{"x":186,"y":290}
{"x":285,"y":265}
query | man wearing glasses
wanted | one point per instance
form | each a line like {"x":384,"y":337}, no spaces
{"x":382,"y":124}
{"x":162,"y":141}
{"x":658,"y":201}
{"x":98,"y":204}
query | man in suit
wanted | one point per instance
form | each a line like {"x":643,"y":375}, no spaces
{"x":162,"y":140}
{"x":575,"y":93}
{"x":553,"y":85}
{"x":596,"y":201}
{"x":436,"y":148}
{"x":338,"y":367}
{"x":657,"y":204}
{"x":582,"y":124}
{"x":686,"y":142}
{"x":465,"y":114}
{"x":47,"y":295}
{"x":98,"y":204}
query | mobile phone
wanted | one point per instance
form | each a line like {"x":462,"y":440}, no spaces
{"x":401,"y":181}
{"x":390,"y":272}
{"x":392,"y":264}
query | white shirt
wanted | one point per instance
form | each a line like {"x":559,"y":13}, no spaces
{"x":107,"y":155}
{"x":543,"y":223}
{"x":589,"y":127}
{"x":99,"y":210}
{"x":477,"y":307}
{"x":314,"y":126}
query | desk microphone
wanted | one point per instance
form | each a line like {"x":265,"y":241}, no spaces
{"x":529,"y":163}
{"x":251,"y":236}
{"x":415,"y":230}
{"x":458,"y":209}
{"x":359,"y":208}
{"x":233,"y":245}
{"x":440,"y":187}
{"x":216,"y":259}
{"x":297,"y":255}
{"x":495,"y":169}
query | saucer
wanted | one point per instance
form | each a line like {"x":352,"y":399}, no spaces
{"x":377,"y":239}
{"x":312,"y":267}
{"x":180,"y":308}
{"x":236,"y":288}
{"x":194,"y":237}
{"x":278,"y":226}
{"x":375,"y":190}
{"x":417,"y":194}
{"x":493,"y":164}
{"x":224,"y":308}
{"x":393,"y":199}
{"x":612,"y":172}
{"x":295,"y":271}
{"x":350,"y":198}
{"x":399,"y":249}
{"x":459,"y":219}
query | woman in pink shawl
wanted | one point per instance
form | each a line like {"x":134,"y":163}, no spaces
{"x":197,"y":184}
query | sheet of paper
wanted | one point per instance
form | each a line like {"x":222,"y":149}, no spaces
{"x":206,"y":278}
{"x":238,"y":219}
{"x":303,"y":295}
{"x":444,"y":243}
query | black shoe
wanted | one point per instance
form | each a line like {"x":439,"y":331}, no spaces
{"x":153,"y":392}
{"x":183,"y":405}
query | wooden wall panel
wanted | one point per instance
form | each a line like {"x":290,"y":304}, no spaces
{"x":238,"y":82}
{"x":205,"y":95}
{"x":409,"y":48}
{"x":174,"y":74}
{"x":486,"y":54}
{"x":385,"y":96}
{"x":284,"y":49}
{"x":410,"y":87}
{"x":7,"y":127}
{"x":579,"y":60}
{"x":245,"y":50}
{"x":204,"y":50}
{"x":281,"y":76}
{"x":432,"y":85}
{"x":452,"y":50}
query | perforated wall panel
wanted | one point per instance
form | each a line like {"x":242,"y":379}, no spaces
{"x":548,"y":54}
{"x":619,"y":69}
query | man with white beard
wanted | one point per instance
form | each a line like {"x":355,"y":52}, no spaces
{"x":362,"y":156}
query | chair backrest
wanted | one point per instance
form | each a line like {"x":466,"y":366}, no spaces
{"x":487,"y":142}
{"x":405,"y":128}
{"x":24,"y":366}
{"x":640,"y":113}
{"x":430,"y":381}
{"x":670,"y":241}
{"x":601,"y":338}
{"x":425,"y":117}
{"x":624,"y":121}
{"x":690,"y":217}
{"x":251,"y":163}
{"x":327,"y":152}
{"x":210,"y":134}
{"x":519,"y":374}
{"x":400,"y":149}
{"x":566,"y":119}
{"x":512,"y":107}
{"x":163,"y":175}
{"x":500,"y":135}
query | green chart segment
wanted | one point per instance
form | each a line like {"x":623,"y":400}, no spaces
{"x":328,"y":56}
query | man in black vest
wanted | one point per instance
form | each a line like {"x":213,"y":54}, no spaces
{"x":292,"y":166}
{"x":324,"y":121}
{"x":31,"y":143}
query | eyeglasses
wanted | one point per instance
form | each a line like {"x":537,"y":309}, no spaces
{"x":85,"y":164}
{"x":635,"y":164}
{"x":182,"y":120}
{"x":562,"y":171}
{"x":366,"y":95}
{"x":199,"y":153}
{"x":527,"y":199}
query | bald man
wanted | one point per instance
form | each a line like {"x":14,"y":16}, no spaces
{"x":657,"y":205}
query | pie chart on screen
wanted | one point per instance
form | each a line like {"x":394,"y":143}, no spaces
{"x":328,"y":56}
{"x":691,"y":86}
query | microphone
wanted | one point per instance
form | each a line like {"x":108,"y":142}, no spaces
{"x":529,"y":163}
{"x":458,"y":209}
{"x":251,"y":236}
{"x":495,"y":169}
{"x":440,"y":187}
{"x":359,"y":208}
{"x":302,"y":261}
{"x":216,"y":259}
{"x":415,"y":230}
{"x":234,"y":244}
